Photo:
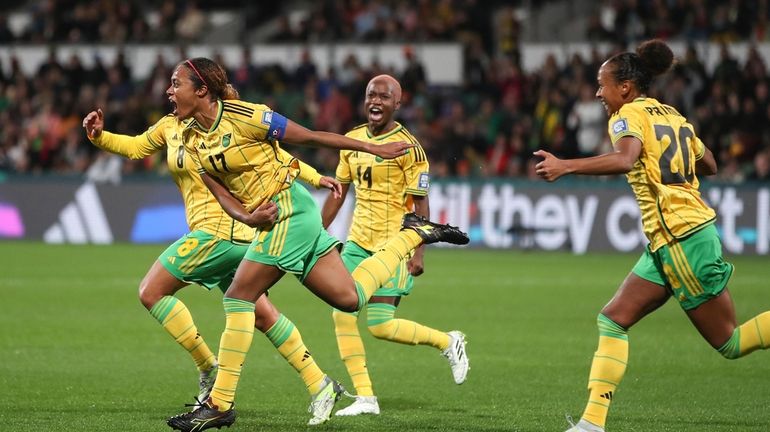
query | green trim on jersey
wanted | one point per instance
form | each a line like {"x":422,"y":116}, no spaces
{"x":692,"y":269}
{"x":401,"y":282}
{"x":395,"y":130}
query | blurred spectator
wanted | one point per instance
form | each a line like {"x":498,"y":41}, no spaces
{"x":487,"y":126}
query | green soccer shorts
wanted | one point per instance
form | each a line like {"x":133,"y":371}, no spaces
{"x":692,"y":269}
{"x":205,"y":259}
{"x":400,"y":284}
{"x":297,"y":239}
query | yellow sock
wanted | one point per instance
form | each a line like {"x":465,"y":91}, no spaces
{"x":752,"y":335}
{"x":174,"y":316}
{"x":374,"y":271}
{"x":287,"y":340}
{"x":382,"y":325}
{"x":352,"y":351}
{"x":607,"y":369}
{"x":233,"y":347}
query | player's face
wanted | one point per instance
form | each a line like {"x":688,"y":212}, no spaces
{"x":380,"y":103}
{"x":610,"y":92}
{"x":181,"y":94}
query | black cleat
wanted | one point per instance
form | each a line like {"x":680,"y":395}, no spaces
{"x":432,"y":232}
{"x":205,"y":416}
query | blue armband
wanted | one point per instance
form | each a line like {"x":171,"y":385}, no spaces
{"x":276,"y":124}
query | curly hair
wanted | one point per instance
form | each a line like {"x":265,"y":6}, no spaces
{"x":652,"y":58}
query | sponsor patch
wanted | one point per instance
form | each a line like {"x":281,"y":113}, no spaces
{"x":267,"y":117}
{"x":424,"y":181}
{"x":619,"y":126}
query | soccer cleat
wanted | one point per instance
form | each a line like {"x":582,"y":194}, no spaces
{"x":322,"y":403}
{"x":362,"y":405}
{"x":432,"y":232}
{"x":205,"y":416}
{"x":455,"y":353}
{"x":583,"y":426}
{"x":206,"y":382}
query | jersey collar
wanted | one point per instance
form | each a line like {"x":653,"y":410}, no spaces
{"x":193,"y":124}
{"x":385,"y":135}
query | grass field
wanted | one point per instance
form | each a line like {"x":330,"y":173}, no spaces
{"x":79,"y":353}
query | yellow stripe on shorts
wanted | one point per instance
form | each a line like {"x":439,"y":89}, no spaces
{"x":199,"y":257}
{"x":684,"y":270}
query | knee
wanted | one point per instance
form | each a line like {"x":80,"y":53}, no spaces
{"x":148,"y":295}
{"x":731,"y":349}
{"x":383,"y":330}
{"x":348,"y":303}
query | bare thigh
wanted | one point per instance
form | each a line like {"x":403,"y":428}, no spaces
{"x":158,"y":283}
{"x":715,"y":319}
{"x":634,"y":300}
{"x":331,"y":282}
{"x":252,"y":279}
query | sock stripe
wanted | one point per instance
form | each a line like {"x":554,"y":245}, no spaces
{"x":599,"y":403}
{"x":183,"y":332}
{"x":610,"y":358}
{"x":602,"y":381}
{"x":759,"y":333}
{"x":232,"y":350}
{"x":251,"y":332}
{"x":163,"y":307}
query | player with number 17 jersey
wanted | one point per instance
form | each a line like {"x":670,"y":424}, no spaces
{"x":663,"y":178}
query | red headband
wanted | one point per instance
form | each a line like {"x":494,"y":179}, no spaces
{"x":196,"y":72}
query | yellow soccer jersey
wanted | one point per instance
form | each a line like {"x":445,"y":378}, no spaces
{"x":241,"y":149}
{"x":663,"y":178}
{"x":202,"y":210}
{"x":384,"y":188}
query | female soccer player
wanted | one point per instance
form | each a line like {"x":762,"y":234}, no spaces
{"x":208,"y":255}
{"x":235,"y":144}
{"x":385,"y":191}
{"x":660,"y":154}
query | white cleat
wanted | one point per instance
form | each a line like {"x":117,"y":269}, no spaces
{"x":322,"y":403}
{"x":455,"y":353}
{"x":206,"y":382}
{"x":362,"y":405}
{"x":583,"y":426}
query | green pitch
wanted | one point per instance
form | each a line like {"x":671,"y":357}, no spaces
{"x":79,"y":353}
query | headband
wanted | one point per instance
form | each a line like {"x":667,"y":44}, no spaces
{"x":196,"y":72}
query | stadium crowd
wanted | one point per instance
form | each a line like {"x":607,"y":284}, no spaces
{"x":487,"y":127}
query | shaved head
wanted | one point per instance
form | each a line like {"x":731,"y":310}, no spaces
{"x":391,"y":82}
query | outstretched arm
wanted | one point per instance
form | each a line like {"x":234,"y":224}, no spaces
{"x":263,"y":216}
{"x":621,"y":161}
{"x":297,"y":134}
{"x":132,"y":147}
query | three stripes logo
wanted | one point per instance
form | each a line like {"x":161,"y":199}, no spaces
{"x":607,"y":396}
{"x":81,"y":221}
{"x":306,"y":355}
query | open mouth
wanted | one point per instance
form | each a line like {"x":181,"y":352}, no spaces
{"x":173,"y":106}
{"x":375,"y":114}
